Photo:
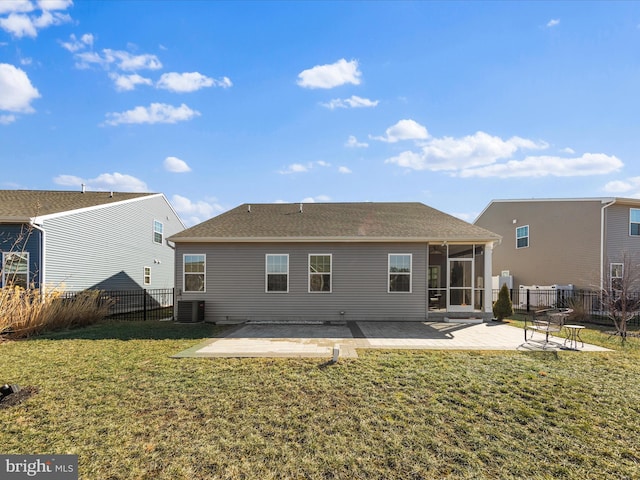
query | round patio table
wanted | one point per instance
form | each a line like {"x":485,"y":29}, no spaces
{"x":573,"y":336}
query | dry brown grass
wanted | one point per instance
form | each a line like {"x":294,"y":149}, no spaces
{"x":24,"y":313}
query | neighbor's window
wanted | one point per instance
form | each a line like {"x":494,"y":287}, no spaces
{"x":157,"y":231}
{"x":400,"y":272}
{"x":617,"y":272}
{"x":634,"y":222}
{"x":522,"y":237}
{"x":147,"y":276}
{"x":277,"y":273}
{"x":15,"y":269}
{"x":194,"y":273}
{"x":320,"y":273}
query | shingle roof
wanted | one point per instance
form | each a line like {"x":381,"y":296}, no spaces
{"x":21,"y":205}
{"x":334,"y":221}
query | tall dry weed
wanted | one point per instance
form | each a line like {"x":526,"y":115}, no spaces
{"x":24,"y":313}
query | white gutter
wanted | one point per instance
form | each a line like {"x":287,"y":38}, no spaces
{"x":602,"y":240}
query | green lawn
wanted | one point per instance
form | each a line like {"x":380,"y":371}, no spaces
{"x":110,"y":394}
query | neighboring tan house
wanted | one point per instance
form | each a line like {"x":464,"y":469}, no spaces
{"x":575,"y":241}
{"x":334,"y":262}
{"x":76,"y":240}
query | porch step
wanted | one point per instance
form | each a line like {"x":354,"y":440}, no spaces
{"x":463,"y":320}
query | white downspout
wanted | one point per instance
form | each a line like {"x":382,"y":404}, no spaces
{"x":43,"y":244}
{"x":488,"y":273}
{"x":602,"y":240}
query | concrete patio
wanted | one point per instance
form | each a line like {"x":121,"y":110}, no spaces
{"x":319,"y":340}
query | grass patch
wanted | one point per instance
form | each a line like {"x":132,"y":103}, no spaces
{"x":110,"y":394}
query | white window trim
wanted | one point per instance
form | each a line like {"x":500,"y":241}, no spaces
{"x":528,"y":237}
{"x":401,"y":273}
{"x":266,"y":272}
{"x":161,"y":232}
{"x":184,"y":273}
{"x":144,"y":276}
{"x":4,"y":272}
{"x":330,"y":255}
{"x":631,"y":222}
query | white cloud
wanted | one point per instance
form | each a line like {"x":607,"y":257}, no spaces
{"x":16,"y":91}
{"x":568,"y":150}
{"x":175,"y":165}
{"x":120,"y":59}
{"x":19,"y":25}
{"x":544,"y":166}
{"x":317,"y":198}
{"x":352,"y":102}
{"x":622,"y":186}
{"x":55,"y":4}
{"x":554,"y":22}
{"x":104,"y":182}
{"x":154,"y":113}
{"x":16,"y":6}
{"x":128,"y":82}
{"x":74,"y":44}
{"x":404,"y":130}
{"x":195,"y":212}
{"x":21,"y":19}
{"x":452,"y":154}
{"x":294,"y":168}
{"x":129,"y":62}
{"x":330,"y":76}
{"x":190,"y":82}
{"x":353,"y":142}
{"x":300,"y":168}
{"x":344,"y":170}
{"x":7,"y":119}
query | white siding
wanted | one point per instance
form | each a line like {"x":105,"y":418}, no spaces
{"x":108,"y":247}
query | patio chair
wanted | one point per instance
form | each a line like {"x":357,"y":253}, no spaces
{"x":547,"y":321}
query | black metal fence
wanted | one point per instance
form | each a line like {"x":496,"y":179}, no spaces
{"x":587,"y":302}
{"x":142,"y":304}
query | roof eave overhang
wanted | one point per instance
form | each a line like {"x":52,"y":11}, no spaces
{"x":16,"y":219}
{"x":333,"y":239}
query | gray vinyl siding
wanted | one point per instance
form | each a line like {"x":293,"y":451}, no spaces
{"x":107,"y":247}
{"x":235,"y":283}
{"x":20,"y":237}
{"x":564,"y":241}
{"x":619,"y":242}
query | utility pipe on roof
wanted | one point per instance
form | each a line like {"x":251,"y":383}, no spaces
{"x":602,"y":239}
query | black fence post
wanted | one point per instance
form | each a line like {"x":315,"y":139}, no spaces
{"x":144,"y":302}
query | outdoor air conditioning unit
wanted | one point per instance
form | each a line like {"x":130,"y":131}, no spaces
{"x":191,"y":311}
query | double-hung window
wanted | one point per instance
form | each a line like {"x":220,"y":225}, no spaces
{"x":146,"y":276}
{"x":522,"y":237}
{"x":277,"y":273}
{"x":320,"y":273}
{"x":400,"y":272}
{"x":616,"y":275}
{"x":15,"y":269}
{"x":158,"y":229}
{"x":194,"y":268}
{"x":634,"y":222}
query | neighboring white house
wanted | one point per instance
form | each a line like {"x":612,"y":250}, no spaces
{"x":78,"y":240}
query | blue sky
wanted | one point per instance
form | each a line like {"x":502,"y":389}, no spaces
{"x":215,"y":104}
